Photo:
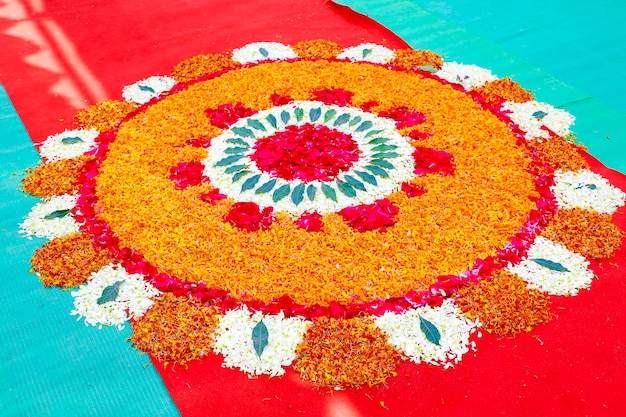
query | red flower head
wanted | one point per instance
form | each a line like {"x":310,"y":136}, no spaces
{"x":227,"y":114}
{"x":212,"y":196}
{"x":377,"y":216}
{"x":404,"y":117}
{"x":311,"y":222}
{"x":432,"y":161}
{"x":187,"y":174}
{"x":336,"y":96}
{"x":249,"y":216}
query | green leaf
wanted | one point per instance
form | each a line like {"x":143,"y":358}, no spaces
{"x":235,"y":151}
{"x":329,"y":192}
{"x":110,"y":293}
{"x":367,"y":177}
{"x":383,"y":147}
{"x":281,"y":192}
{"x":378,"y":140}
{"x":315,"y":113}
{"x":267,"y":187}
{"x":378,"y":171}
{"x":366,"y":52}
{"x":342,"y":119}
{"x":250,"y":182}
{"x":270,"y":118}
{"x":364,"y":126}
{"x":330,"y":113}
{"x":235,"y":168}
{"x":241,"y":174}
{"x":354,"y":182}
{"x":430,"y":331}
{"x":428,"y":68}
{"x":354,"y":121}
{"x":285,"y":116}
{"x":69,"y":140}
{"x":264,"y":52}
{"x":244,"y":132}
{"x":540,"y":114}
{"x":229,"y":160}
{"x":382,"y":163}
{"x":385,"y":155}
{"x":255,"y":124}
{"x":147,"y":88}
{"x":299,"y":113}
{"x":554,"y":266}
{"x":238,"y":141}
{"x":57,"y":214}
{"x":372,"y":132}
{"x":310,"y":192}
{"x":298,"y":194}
{"x":259,"y":338}
{"x":346,"y":189}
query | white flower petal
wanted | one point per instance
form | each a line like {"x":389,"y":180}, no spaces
{"x":587,"y":190}
{"x":532,"y":115}
{"x":145,"y":90}
{"x":36,"y":223}
{"x":469,"y":76}
{"x":263,"y":51}
{"x":69,"y":144}
{"x":368,"y":52}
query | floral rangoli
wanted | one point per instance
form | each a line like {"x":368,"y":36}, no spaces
{"x":336,"y":210}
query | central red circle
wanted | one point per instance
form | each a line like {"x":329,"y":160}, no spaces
{"x":308,"y":152}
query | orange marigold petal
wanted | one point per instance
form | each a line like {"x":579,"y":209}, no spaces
{"x":55,"y":178}
{"x":504,"y":89}
{"x":193,"y":67}
{"x":104,"y":116}
{"x":317,"y":49}
{"x":558,"y":153}
{"x":410,"y":58}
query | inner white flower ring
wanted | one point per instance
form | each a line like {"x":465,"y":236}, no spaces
{"x":383,"y":163}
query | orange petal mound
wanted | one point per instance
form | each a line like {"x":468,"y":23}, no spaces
{"x":558,"y":153}
{"x":325,"y":358}
{"x":317,"y":49}
{"x":55,"y":178}
{"x":104,"y":116}
{"x":504,"y":305}
{"x":193,"y":67}
{"x":176,"y":330}
{"x":410,"y":58}
{"x":504,"y":89}
{"x":588,"y":233}
{"x":482,"y":205}
{"x":68,"y":261}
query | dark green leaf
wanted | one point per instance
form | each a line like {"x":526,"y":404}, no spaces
{"x":430,"y":331}
{"x":298,"y":194}
{"x":235,"y":151}
{"x":382,"y":163}
{"x":329,"y":192}
{"x":240,"y":175}
{"x":68,"y":140}
{"x":229,"y":160}
{"x":259,"y":338}
{"x":146,"y":88}
{"x":354,"y":182}
{"x":540,"y":114}
{"x":367,"y":177}
{"x":383,"y":147}
{"x":366,"y":52}
{"x":243,"y":131}
{"x":554,"y":266}
{"x":385,"y":155}
{"x":285,"y":116}
{"x":346,"y":189}
{"x":378,"y":140}
{"x":264,"y":52}
{"x":310,"y":192}
{"x":267,"y":187}
{"x":342,"y":119}
{"x":238,"y":141}
{"x":270,"y":118}
{"x":329,"y":115}
{"x":255,"y":124}
{"x":235,"y":168}
{"x":372,"y":132}
{"x":428,"y":68}
{"x":377,"y":171}
{"x":315,"y":113}
{"x":299,"y":113}
{"x":281,"y":192}
{"x":250,"y":182}
{"x":364,"y":126}
{"x":354,"y":121}
{"x":110,"y":293}
{"x":57,"y":214}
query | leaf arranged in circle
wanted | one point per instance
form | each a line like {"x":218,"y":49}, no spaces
{"x":243,"y":131}
{"x":353,"y":182}
{"x":364,"y":126}
{"x":311,"y":191}
{"x":342,"y":119}
{"x":330,"y":113}
{"x":376,"y":170}
{"x":346,"y":189}
{"x":250,"y":182}
{"x":385,"y":155}
{"x":546,"y":263}
{"x":329,"y":192}
{"x":354,"y":121}
{"x":110,"y":293}
{"x":430,"y":331}
{"x":299,"y":113}
{"x":371,"y":132}
{"x":238,"y":141}
{"x":235,"y":168}
{"x":267,"y":187}
{"x":382,"y":163}
{"x":270,"y":118}
{"x":282,"y":192}
{"x":240,"y":175}
{"x":367,"y":177}
{"x":260,"y":336}
{"x":298,"y":194}
{"x":57,"y":214}
{"x":383,"y":148}
{"x":235,"y":151}
{"x":285,"y":116}
{"x":315,"y":113}
{"x":255,"y":124}
{"x":229,"y":160}
{"x":378,"y":140}
{"x":69,"y":140}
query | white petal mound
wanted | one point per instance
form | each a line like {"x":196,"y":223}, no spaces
{"x":145,"y":90}
{"x":263,"y":51}
{"x":532,"y":115}
{"x":469,"y":76}
{"x":68,"y":144}
{"x":51,"y":219}
{"x":587,"y":190}
{"x":368,"y":52}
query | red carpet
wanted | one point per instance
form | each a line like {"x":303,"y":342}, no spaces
{"x":66,"y":55}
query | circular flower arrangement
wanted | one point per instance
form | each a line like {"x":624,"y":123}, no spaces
{"x":332,"y":209}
